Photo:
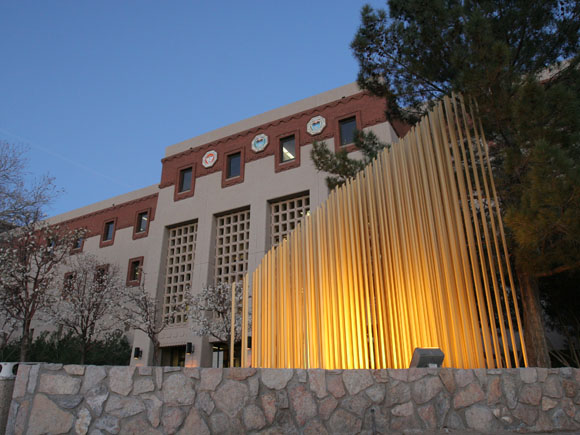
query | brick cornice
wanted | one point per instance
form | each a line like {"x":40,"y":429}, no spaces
{"x":266,"y":126}
{"x":371,"y":110}
{"x":124,"y":212}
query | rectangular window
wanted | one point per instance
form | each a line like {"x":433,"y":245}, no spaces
{"x":287,"y":149}
{"x":285,"y":214}
{"x":101,"y":274}
{"x":68,"y":282}
{"x":232,"y":246}
{"x":347,"y":128}
{"x":134,"y":271}
{"x":233,"y":165}
{"x":109,"y":231}
{"x":185,"y":179}
{"x":178,"y":270}
{"x":142,"y":221}
{"x":78,"y":244}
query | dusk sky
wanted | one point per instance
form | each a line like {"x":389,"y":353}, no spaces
{"x":97,"y":89}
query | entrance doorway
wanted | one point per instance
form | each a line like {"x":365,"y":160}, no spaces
{"x":173,"y":356}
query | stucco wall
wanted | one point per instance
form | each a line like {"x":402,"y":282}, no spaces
{"x":51,"y":398}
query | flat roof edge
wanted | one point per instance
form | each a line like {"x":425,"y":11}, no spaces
{"x":264,"y":118}
{"x":104,"y":204}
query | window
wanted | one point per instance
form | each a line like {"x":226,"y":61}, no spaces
{"x":141,"y":225}
{"x":287,"y":149}
{"x":347,"y":128}
{"x":285,"y":214}
{"x":234,"y":162}
{"x":68,"y":283}
{"x":142,"y":222}
{"x":232,"y":246}
{"x":184,"y":185}
{"x":178,"y":270}
{"x":233,"y":167}
{"x":101,"y":274}
{"x":185,"y":176}
{"x":134,"y":271}
{"x":109,"y":231}
{"x":78,"y":244}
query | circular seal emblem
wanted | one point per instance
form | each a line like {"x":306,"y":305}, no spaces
{"x":316,"y":125}
{"x":259,"y":143}
{"x":209,"y":159}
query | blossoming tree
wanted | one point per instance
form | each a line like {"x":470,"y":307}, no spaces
{"x":87,"y":300}
{"x":210,"y":312}
{"x":29,"y":266}
{"x":144,"y":312}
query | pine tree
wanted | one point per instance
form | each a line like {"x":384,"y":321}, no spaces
{"x":520,"y":61}
{"x":340,"y":165}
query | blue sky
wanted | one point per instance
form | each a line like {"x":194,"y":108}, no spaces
{"x":97,"y":89}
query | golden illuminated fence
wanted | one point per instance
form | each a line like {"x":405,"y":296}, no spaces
{"x":411,"y":253}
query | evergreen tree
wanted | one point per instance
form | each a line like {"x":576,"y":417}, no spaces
{"x":519,"y":60}
{"x":340,"y":165}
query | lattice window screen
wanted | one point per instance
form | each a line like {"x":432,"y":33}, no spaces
{"x":232,"y":245}
{"x":285,"y":215}
{"x":180,"y":258}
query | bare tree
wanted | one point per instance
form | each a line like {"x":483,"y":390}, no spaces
{"x":87,"y":298}
{"x":29,"y":260}
{"x":210,"y":312}
{"x":22,"y":198}
{"x":144,"y":312}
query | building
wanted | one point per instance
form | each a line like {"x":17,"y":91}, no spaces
{"x":223,"y":200}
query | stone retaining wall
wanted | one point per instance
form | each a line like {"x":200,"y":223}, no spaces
{"x":6,"y":389}
{"x":51,"y":398}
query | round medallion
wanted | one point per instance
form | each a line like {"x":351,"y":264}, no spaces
{"x":316,"y":125}
{"x":209,"y":159}
{"x":259,"y":143}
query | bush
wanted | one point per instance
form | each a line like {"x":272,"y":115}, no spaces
{"x":113,"y":349}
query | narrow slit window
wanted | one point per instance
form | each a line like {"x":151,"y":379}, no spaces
{"x":287,"y":149}
{"x":69,"y":279}
{"x":135,"y":271}
{"x":185,"y":179}
{"x":234,"y":165}
{"x":142,"y":222}
{"x":347,"y":128}
{"x":109,"y":231}
{"x":101,"y":274}
{"x":78,"y":244}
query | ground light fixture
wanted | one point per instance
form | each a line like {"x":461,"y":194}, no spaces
{"x":427,"y":357}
